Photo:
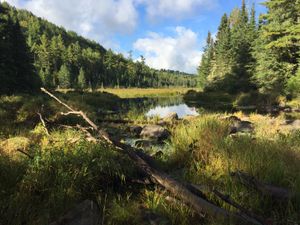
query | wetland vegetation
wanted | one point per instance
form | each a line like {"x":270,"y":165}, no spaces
{"x":117,"y":142}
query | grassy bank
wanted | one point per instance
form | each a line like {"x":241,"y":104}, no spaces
{"x":60,"y":169}
{"x":145,"y":92}
{"x":271,"y":156}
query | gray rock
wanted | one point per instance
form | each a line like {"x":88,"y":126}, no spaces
{"x":85,"y":213}
{"x":155,"y":132}
{"x":135,"y":130}
{"x":241,"y":127}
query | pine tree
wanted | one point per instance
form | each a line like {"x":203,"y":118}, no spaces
{"x":81,"y":79}
{"x":16,"y":64}
{"x":277,"y":47}
{"x":223,"y":55}
{"x":64,"y":77}
{"x":206,"y":61}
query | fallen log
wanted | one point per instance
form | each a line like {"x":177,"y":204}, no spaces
{"x":178,"y":189}
{"x":266,"y":189}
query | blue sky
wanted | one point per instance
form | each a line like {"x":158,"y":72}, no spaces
{"x":169,"y":33}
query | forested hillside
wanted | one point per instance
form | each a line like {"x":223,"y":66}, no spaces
{"x":247,"y":55}
{"x":35,"y":51}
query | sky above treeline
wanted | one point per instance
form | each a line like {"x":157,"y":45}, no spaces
{"x":170,"y":34}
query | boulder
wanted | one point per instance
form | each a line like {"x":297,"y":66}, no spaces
{"x":135,"y":130}
{"x":241,"y":127}
{"x":155,"y":132}
{"x":85,"y":213}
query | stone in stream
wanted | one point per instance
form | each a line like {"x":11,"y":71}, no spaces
{"x":85,"y":213}
{"x":155,"y":132}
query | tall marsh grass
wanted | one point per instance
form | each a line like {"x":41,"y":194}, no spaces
{"x":209,"y":155}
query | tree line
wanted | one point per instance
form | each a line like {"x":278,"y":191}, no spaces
{"x":35,"y":52}
{"x":247,"y":55}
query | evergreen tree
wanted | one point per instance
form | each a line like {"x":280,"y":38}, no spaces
{"x":81,"y":79}
{"x":277,"y":47}
{"x":206,"y":61}
{"x":64,"y":77}
{"x":223,"y":51}
{"x":16,"y":64}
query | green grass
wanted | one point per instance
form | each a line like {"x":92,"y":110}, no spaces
{"x":208,"y":155}
{"x":66,"y":169}
{"x":146,"y":92}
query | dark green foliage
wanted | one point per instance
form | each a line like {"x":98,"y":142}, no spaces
{"x":17,"y":73}
{"x":64,"y":77}
{"x":52,"y":46}
{"x":206,"y":61}
{"x":277,"y":48}
{"x":246,"y":57}
{"x":227,"y":62}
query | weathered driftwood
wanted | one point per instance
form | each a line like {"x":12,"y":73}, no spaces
{"x":178,"y":189}
{"x":43,"y":123}
{"x":266,"y":189}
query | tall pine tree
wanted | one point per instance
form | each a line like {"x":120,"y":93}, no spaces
{"x":277,"y":50}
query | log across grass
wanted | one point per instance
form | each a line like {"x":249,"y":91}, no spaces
{"x":67,"y":169}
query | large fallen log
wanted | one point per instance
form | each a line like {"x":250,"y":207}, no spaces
{"x":181,"y":191}
{"x":265,"y":189}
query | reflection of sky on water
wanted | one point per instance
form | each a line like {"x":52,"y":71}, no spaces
{"x":181,"y":110}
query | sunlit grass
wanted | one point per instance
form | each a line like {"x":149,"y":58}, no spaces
{"x":208,"y":155}
{"x":145,"y":92}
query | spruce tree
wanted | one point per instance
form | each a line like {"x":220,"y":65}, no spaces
{"x":64,"y":77}
{"x":206,"y":61}
{"x":277,"y":47}
{"x":81,"y":79}
{"x":223,"y":55}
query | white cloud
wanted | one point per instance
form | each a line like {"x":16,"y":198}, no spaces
{"x":92,"y":18}
{"x":176,"y":9}
{"x":180,"y":52}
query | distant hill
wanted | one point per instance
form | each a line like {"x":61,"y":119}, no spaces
{"x":56,"y":57}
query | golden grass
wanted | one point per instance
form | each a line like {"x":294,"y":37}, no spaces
{"x":145,"y":92}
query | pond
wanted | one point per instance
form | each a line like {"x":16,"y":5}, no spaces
{"x":181,"y":110}
{"x":161,"y":107}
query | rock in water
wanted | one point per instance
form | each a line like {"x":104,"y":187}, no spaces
{"x":85,"y":213}
{"x":155,"y":132}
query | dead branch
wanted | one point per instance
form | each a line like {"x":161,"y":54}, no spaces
{"x":242,"y":209}
{"x":43,"y":123}
{"x":25,"y":153}
{"x":266,"y":189}
{"x":178,"y":189}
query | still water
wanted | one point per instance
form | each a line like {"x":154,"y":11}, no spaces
{"x":181,"y":110}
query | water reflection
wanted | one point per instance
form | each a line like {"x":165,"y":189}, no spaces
{"x":181,"y":110}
